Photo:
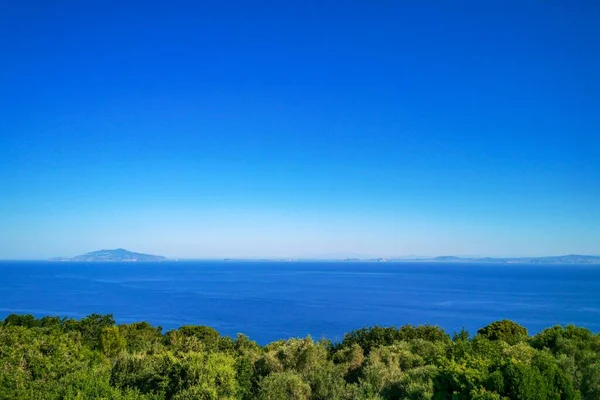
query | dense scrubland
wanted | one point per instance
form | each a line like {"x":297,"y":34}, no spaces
{"x":92,"y":358}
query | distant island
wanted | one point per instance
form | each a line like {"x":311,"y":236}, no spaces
{"x":122,"y":255}
{"x":112,"y":255}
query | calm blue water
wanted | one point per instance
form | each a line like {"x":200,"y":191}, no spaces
{"x":269,"y":301}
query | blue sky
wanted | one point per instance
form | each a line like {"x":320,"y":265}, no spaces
{"x":298,"y":129}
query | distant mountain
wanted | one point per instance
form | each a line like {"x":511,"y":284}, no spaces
{"x":112,"y":255}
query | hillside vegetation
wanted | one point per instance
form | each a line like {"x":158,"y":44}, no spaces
{"x":92,"y":358}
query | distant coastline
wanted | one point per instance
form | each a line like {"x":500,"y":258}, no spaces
{"x":565,"y":259}
{"x":122,"y":255}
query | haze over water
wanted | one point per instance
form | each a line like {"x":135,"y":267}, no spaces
{"x":274,"y":300}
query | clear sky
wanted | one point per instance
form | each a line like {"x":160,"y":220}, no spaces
{"x":299,"y":128}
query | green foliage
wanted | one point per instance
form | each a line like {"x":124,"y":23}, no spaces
{"x":245,"y":378}
{"x":91,"y":328}
{"x":525,"y":382}
{"x":112,"y":341}
{"x":146,"y":373}
{"x":376,"y":336}
{"x":284,"y":386}
{"x":26,"y":320}
{"x":577,"y":351}
{"x":590,"y":383}
{"x":351,"y":359}
{"x":210,"y":376}
{"x":209,"y":337}
{"x":54,"y":358}
{"x":505,"y":330}
{"x":141,"y":336}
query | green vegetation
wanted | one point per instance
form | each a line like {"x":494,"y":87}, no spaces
{"x":92,"y":358}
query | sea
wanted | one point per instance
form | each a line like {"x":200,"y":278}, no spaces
{"x":274,"y":300}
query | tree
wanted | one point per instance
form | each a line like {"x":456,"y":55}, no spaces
{"x":205,"y":334}
{"x":91,"y":328}
{"x":112,"y":341}
{"x":376,"y":336}
{"x":524,"y":382}
{"x":284,"y":386}
{"x":26,"y":320}
{"x":209,"y":376}
{"x":505,"y":330}
{"x":141,"y":336}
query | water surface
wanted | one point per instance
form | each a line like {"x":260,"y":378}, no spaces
{"x":273,"y":300}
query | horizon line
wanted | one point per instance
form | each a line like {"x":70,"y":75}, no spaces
{"x":438,"y":258}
